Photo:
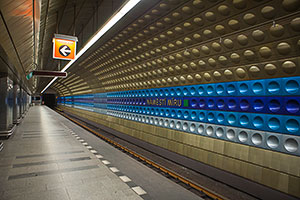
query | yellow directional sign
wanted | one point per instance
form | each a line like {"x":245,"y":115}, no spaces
{"x":64,"y":49}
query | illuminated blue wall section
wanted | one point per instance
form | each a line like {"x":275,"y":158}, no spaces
{"x":261,"y":113}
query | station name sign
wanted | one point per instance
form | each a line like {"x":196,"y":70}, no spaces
{"x":172,"y":102}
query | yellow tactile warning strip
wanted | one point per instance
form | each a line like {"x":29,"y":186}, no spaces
{"x":165,"y":170}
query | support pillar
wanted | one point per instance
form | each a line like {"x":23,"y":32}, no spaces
{"x":22,"y":102}
{"x":16,"y":103}
{"x":6,"y":106}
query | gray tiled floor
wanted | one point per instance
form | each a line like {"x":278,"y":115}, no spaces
{"x":42,"y":160}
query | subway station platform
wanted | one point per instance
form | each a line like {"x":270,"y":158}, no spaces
{"x":49,"y":157}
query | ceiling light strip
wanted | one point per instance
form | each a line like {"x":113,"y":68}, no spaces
{"x":123,"y":11}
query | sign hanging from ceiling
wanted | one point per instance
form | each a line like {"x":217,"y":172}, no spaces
{"x":64,"y":47}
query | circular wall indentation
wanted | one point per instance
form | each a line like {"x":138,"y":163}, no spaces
{"x":186,"y":114}
{"x":291,"y":5}
{"x":179,"y":114}
{"x":230,"y":134}
{"x":210,"y":90}
{"x":198,"y":3}
{"x":244,"y":105}
{"x":185,"y":126}
{"x":178,"y":92}
{"x":243,"y":88}
{"x":291,"y":87}
{"x":256,"y":139}
{"x":249,"y":55}
{"x":217,"y":75}
{"x":258,"y":35}
{"x":209,"y":130}
{"x":244,"y":120}
{"x":202,"y":103}
{"x":173,"y":113}
{"x":291,"y":145}
{"x":242,"y":39}
{"x":231,"y":119}
{"x":254,"y":71}
{"x":220,"y":90}
{"x":151,"y":120}
{"x":232,"y":104}
{"x":210,"y":103}
{"x":284,"y":48}
{"x":185,"y":91}
{"x":231,"y":89}
{"x":268,"y":12}
{"x":221,"y":104}
{"x":161,"y":122}
{"x":277,"y":30}
{"x":172,"y":92}
{"x":272,"y":141}
{"x":292,"y":125}
{"x":205,"y":49}
{"x":172,"y":124}
{"x":240,"y":4}
{"x":201,"y":90}
{"x":210,"y":117}
{"x":194,"y":103}
{"x":295,"y":24}
{"x":273,"y":87}
{"x":234,"y":24}
{"x":289,"y":67}
{"x":257,"y":88}
{"x":193,"y":115}
{"x":156,"y":121}
{"x":207,"y":76}
{"x":243,"y":136}
{"x":178,"y":125}
{"x":228,"y":74}
{"x":274,"y":123}
{"x":219,"y":132}
{"x":250,"y":19}
{"x":201,"y":116}
{"x":192,"y":127}
{"x":274,"y":105}
{"x":258,"y":122}
{"x":292,"y":106}
{"x":265,"y":52}
{"x":200,"y":129}
{"x":270,"y":69}
{"x":166,"y":124}
{"x":167,"y":93}
{"x":216,"y":46}
{"x":224,"y":10}
{"x":240,"y":72}
{"x":193,"y":91}
{"x":210,"y":16}
{"x":220,"y":118}
{"x":228,"y":43}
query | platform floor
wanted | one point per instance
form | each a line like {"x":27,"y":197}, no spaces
{"x":49,"y":157}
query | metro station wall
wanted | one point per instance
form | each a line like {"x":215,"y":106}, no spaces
{"x":216,"y":81}
{"x":231,"y":112}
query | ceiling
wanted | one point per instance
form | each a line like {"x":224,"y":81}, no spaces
{"x":28,"y":26}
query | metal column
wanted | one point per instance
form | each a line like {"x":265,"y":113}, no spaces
{"x":16,"y":103}
{"x":6,"y":106}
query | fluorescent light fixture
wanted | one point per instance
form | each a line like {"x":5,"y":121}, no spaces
{"x":110,"y":23}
